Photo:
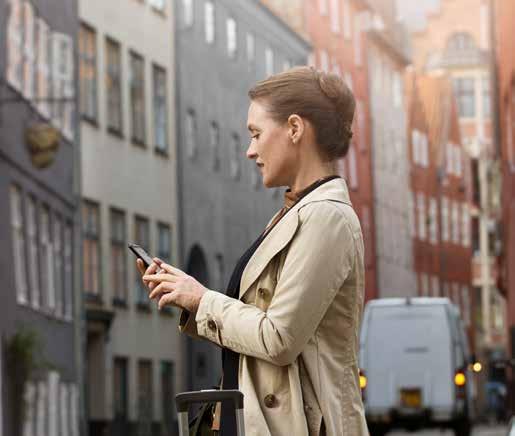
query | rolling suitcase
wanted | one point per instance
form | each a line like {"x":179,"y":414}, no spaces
{"x":184,"y":400}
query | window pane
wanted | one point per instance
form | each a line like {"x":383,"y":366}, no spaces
{"x":18,"y":238}
{"x":142,"y":238}
{"x":191,"y":133}
{"x":168,"y":395}
{"x":88,"y":72}
{"x":232,"y":36}
{"x":33,"y":255}
{"x":68,"y":271}
{"x":91,"y":248}
{"x":113,"y":81}
{"x":209,"y":21}
{"x":120,"y":391}
{"x":118,"y":255}
{"x":145,"y":397}
{"x":137,"y":92}
{"x":160,"y":109}
{"x":164,"y":242}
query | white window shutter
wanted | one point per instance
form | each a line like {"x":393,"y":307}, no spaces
{"x":43,"y":70}
{"x":14,"y":45}
{"x":28,"y":51}
{"x":69,"y":89}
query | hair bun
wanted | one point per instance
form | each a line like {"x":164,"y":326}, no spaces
{"x":336,"y":90}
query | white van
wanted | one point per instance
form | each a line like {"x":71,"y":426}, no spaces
{"x":415,"y":362}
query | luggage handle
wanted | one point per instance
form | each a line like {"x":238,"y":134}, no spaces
{"x":184,"y":399}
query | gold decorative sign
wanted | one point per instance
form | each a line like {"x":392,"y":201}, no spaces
{"x":43,"y":141}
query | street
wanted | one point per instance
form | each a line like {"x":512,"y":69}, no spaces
{"x":482,"y":430}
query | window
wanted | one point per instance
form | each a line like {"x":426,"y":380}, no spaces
{"x":465,"y":217}
{"x":412,"y":213}
{"x":322,"y":7}
{"x":235,"y":156}
{"x":15,"y":33}
{"x":436,"y":286}
{"x":164,"y":242}
{"x":485,"y":92}
{"x":113,"y":80}
{"x":43,"y":66}
{"x":48,"y":271}
{"x":88,"y":72}
{"x":29,"y":399}
{"x":62,"y":82}
{"x":269,"y":61}
{"x":421,"y":206}
{"x":353,"y":168}
{"x":433,"y":223}
{"x":168,"y":395}
{"x":118,"y":256}
{"x":457,"y":161}
{"x":145,"y":395}
{"x":449,"y":158}
{"x":214,"y":144}
{"x":91,"y":248}
{"x":424,"y":285}
{"x":357,"y":42}
{"x":142,"y":238}
{"x":68,"y":272}
{"x":465,"y":95}
{"x":362,"y":125}
{"x":347,"y":29}
{"x":191,"y":133}
{"x":121,"y":390}
{"x":187,"y":9}
{"x":484,"y":26}
{"x":33,"y":254}
{"x":335,"y":16}
{"x":232,"y":37}
{"x":415,"y":146}
{"x":209,"y":22}
{"x":455,"y":223}
{"x":251,"y":47}
{"x":18,"y":238}
{"x":324,"y":61}
{"x":58,"y":264}
{"x":465,"y":301}
{"x":137,"y":92}
{"x":460,"y":42}
{"x":160,"y":109}
{"x":28,"y":50}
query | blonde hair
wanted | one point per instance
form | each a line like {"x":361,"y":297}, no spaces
{"x":322,"y":98}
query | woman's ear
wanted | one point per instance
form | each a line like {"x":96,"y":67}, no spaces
{"x":296,"y":128}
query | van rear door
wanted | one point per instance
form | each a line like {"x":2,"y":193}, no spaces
{"x":408,"y":354}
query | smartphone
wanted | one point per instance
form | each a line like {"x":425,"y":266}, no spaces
{"x":141,"y":254}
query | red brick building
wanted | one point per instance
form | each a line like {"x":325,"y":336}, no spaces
{"x":334,"y":29}
{"x":505,"y":25}
{"x":439,"y":205}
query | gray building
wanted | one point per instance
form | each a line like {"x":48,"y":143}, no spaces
{"x":39,"y":317}
{"x":222,"y":49}
{"x":387,"y":57}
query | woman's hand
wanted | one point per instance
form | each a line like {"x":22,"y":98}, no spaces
{"x":173,"y":287}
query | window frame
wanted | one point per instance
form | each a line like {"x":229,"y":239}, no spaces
{"x":113,"y":79}
{"x":137,"y":94}
{"x":88,"y":60}
{"x":160,"y":100}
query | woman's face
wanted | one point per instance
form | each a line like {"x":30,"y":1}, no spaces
{"x":270,"y":147}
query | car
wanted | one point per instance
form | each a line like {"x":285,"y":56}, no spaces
{"x":415,"y":366}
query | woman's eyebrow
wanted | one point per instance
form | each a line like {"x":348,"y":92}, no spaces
{"x":251,"y":127}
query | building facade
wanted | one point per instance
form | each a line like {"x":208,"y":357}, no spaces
{"x":505,"y":47}
{"x":129,"y":190}
{"x":39,"y":377}
{"x":386,"y":55}
{"x":440,"y":222}
{"x":464,"y":52}
{"x":222,"y":49}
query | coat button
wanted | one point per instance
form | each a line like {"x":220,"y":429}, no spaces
{"x":211,"y":325}
{"x":262,"y":292}
{"x":270,"y":401}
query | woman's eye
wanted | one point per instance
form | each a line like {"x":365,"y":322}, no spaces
{"x":256,"y":136}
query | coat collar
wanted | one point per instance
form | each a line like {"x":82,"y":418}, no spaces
{"x":285,"y":229}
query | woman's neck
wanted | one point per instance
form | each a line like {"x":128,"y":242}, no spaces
{"x":311,"y":173}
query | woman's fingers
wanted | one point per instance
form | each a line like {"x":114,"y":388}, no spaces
{"x":141,"y":266}
{"x":162,"y":288}
{"x":159,"y":278}
{"x":167,"y":300}
{"x":169,"y":268}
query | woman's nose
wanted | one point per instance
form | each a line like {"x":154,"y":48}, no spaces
{"x":251,"y":152}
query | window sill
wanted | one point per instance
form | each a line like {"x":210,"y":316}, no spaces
{"x":143,"y":307}
{"x":160,"y":152}
{"x":138,"y":142}
{"x":92,"y":121}
{"x":93,"y":298}
{"x":115,"y":132}
{"x":120,"y":303}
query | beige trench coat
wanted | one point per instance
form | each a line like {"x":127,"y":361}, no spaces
{"x":296,"y":323}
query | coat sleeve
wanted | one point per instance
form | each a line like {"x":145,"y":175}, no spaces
{"x":318,"y":261}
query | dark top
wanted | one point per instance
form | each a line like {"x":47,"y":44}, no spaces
{"x":230,"y":359}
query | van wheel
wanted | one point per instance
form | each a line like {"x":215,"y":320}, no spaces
{"x":462,"y":427}
{"x":377,"y":430}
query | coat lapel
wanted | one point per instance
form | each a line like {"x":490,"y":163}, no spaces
{"x":285,"y":229}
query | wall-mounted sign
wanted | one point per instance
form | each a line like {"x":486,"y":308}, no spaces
{"x":43,"y":141}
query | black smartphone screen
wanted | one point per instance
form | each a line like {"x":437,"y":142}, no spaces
{"x":141,"y":254}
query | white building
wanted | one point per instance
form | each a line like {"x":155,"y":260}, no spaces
{"x":129,"y":195}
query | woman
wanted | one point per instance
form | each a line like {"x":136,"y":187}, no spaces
{"x":289,"y":322}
